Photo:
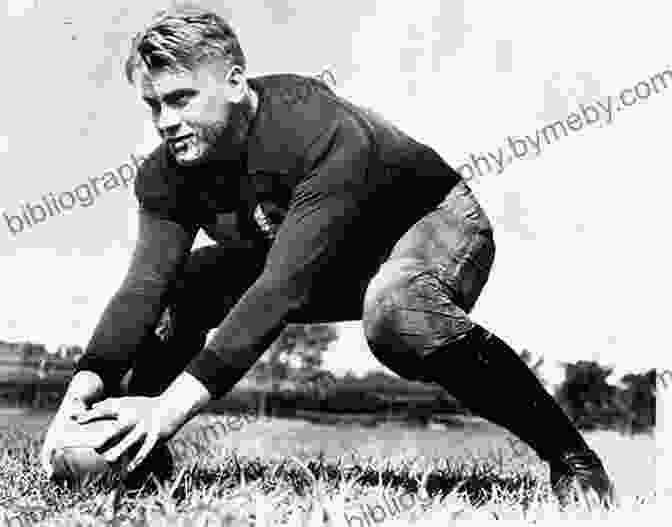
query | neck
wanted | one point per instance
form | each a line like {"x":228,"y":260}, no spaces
{"x":248,"y":114}
{"x":233,"y":139}
{"x":254,"y":102}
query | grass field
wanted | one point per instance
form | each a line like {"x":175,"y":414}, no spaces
{"x":290,"y":472}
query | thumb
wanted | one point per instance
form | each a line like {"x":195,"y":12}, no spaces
{"x":106,"y":408}
{"x":75,"y":408}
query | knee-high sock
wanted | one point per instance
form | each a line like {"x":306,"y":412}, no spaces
{"x":485,"y":374}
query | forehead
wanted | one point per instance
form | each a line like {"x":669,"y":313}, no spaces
{"x":156,"y":83}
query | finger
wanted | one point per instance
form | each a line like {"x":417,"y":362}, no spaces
{"x":114,"y":435}
{"x":150,"y":441}
{"x":76,"y":413}
{"x":110,"y":402}
{"x":117,"y":451}
{"x":75,"y":408}
{"x":106,"y":408}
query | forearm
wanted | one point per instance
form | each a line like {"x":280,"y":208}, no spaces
{"x":244,"y":335}
{"x":132,"y":313}
{"x":128,"y":319}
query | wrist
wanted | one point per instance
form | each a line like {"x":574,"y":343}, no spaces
{"x":187,"y":395}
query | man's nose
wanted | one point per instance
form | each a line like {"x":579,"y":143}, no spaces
{"x":168,"y":122}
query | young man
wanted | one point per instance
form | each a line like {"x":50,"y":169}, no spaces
{"x":322,"y":211}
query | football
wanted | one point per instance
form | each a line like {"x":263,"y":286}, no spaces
{"x":75,"y":456}
{"x":76,"y":459}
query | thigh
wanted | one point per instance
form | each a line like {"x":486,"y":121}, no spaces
{"x":336,"y":295}
{"x":212,"y":280}
{"x":454,"y":242}
{"x":210,"y":284}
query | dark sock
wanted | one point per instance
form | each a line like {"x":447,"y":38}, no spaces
{"x":485,"y":374}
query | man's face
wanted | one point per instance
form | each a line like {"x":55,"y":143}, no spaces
{"x":192,"y":110}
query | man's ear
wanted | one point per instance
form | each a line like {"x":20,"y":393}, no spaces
{"x":236,"y":84}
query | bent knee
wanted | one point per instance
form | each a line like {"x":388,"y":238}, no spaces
{"x":410,"y":308}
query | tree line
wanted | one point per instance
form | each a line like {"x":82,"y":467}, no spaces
{"x":290,"y":378}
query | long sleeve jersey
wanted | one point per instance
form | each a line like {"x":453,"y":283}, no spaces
{"x":324,"y":186}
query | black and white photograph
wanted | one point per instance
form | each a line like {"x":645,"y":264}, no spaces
{"x":302,"y":263}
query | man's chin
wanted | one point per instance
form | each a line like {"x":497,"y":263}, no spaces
{"x":189,"y":159}
{"x":188,"y":162}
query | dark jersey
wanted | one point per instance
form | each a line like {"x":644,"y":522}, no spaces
{"x":324,"y":186}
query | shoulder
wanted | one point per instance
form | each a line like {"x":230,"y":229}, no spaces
{"x":307,"y":99}
{"x":289,"y":88}
{"x":299,"y":117}
{"x":304,"y":104}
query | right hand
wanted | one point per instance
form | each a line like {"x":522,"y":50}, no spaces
{"x":85,"y":389}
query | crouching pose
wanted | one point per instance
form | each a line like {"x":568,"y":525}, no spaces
{"x":322,"y":211}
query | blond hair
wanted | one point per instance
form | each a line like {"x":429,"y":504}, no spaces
{"x":179,"y":38}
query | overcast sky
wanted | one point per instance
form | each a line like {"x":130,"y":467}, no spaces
{"x":580,"y":251}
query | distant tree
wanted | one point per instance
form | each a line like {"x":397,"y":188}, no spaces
{"x":73,"y":352}
{"x":586,"y":395}
{"x":639,"y":400}
{"x":296,"y":357}
{"x":31,"y":353}
{"x":298,"y":350}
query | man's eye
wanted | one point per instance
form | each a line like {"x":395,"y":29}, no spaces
{"x":181,"y":102}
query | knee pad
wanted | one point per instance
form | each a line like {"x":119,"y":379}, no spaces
{"x":409,"y":312}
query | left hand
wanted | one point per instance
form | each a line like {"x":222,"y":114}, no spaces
{"x":144,"y":419}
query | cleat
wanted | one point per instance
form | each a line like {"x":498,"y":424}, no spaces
{"x":580,"y":474}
